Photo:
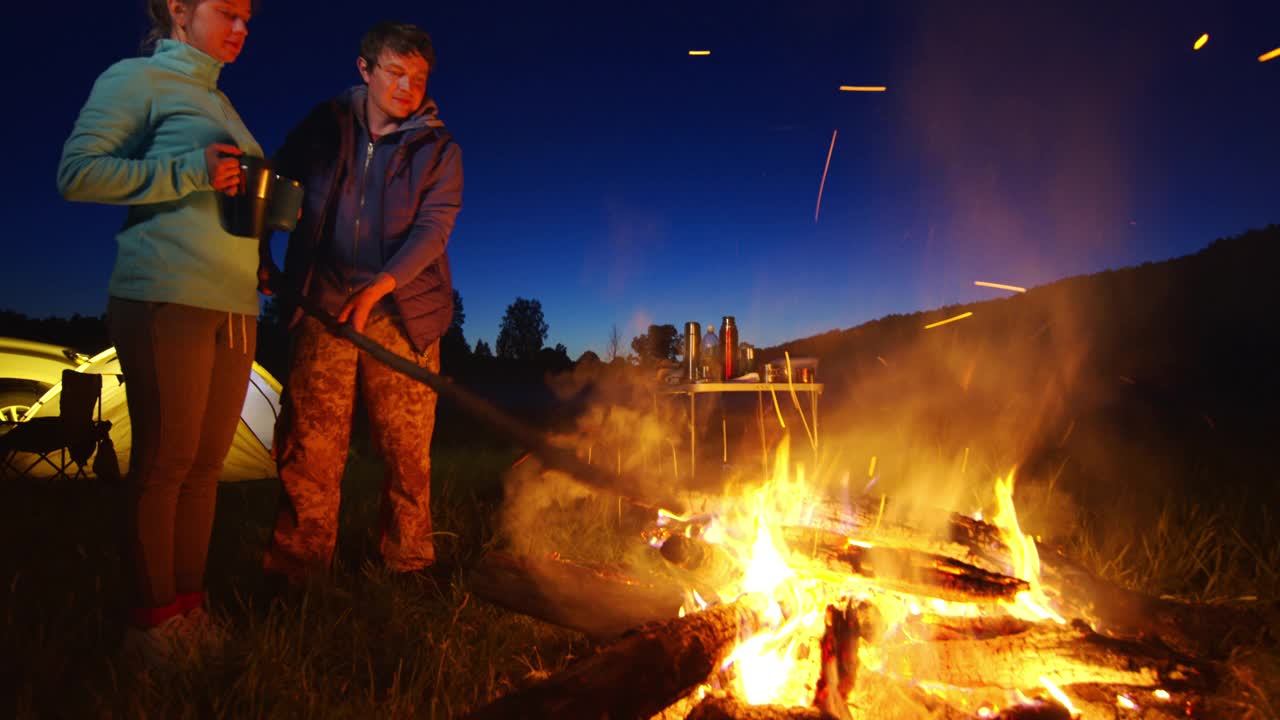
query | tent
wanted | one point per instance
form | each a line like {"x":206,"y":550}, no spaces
{"x":250,"y":454}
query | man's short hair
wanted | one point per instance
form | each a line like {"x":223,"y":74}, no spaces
{"x":399,"y":38}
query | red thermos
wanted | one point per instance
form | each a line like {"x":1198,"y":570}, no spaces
{"x":729,"y":346}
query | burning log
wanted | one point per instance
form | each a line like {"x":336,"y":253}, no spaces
{"x":588,"y":599}
{"x":1036,"y":711}
{"x":894,"y":568}
{"x":728,"y":708}
{"x":1209,"y":630}
{"x":641,"y":674}
{"x":839,"y":661}
{"x":1199,"y":629}
{"x":1065,"y":655}
{"x":927,"y":574}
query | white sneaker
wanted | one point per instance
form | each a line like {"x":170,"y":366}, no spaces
{"x":157,"y":647}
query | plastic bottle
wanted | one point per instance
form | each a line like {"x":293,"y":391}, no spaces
{"x":711,"y":354}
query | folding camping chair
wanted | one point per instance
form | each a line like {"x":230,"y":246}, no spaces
{"x":62,"y":442}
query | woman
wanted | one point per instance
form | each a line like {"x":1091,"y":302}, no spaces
{"x":158,"y":136}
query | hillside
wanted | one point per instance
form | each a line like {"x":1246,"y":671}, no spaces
{"x":1159,"y":378}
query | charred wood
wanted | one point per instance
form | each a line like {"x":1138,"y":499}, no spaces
{"x":839,"y":664}
{"x":728,"y":708}
{"x":1208,"y":630}
{"x":593,"y":600}
{"x":640,"y":674}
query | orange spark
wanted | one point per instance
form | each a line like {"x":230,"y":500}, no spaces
{"x":998,"y":286}
{"x":1269,"y":56}
{"x":862,"y":88}
{"x":1201,"y":41}
{"x":825,"y":168}
{"x":948,"y":320}
{"x":699,"y":53}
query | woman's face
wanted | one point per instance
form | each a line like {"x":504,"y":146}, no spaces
{"x":216,"y":27}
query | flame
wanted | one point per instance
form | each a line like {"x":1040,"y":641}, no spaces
{"x":1126,"y":703}
{"x":1060,"y":696}
{"x":1031,"y":604}
{"x":1201,"y":41}
{"x":772,"y":666}
{"x":1162,"y":694}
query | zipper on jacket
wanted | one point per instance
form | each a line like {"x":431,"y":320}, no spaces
{"x":355,"y":240}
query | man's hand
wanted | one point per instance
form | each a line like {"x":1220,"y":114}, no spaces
{"x":357,"y":308}
{"x":224,"y":168}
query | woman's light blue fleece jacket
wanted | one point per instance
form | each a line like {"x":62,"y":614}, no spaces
{"x":139,"y":141}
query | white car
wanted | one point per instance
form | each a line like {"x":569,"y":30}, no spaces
{"x":27,"y":370}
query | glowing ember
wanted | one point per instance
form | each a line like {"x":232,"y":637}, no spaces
{"x":999,"y":286}
{"x":1269,"y":56}
{"x":1126,"y":703}
{"x":948,"y":320}
{"x":699,"y":53}
{"x":862,"y":88}
{"x":1162,"y":694}
{"x":1201,"y":41}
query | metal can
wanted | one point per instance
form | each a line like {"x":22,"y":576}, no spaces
{"x":693,"y":351}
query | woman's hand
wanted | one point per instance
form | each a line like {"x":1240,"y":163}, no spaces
{"x":224,"y":168}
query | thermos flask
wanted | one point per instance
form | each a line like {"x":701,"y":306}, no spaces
{"x":693,"y":351}
{"x":729,"y":346}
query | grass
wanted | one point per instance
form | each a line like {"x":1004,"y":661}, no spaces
{"x":363,"y":643}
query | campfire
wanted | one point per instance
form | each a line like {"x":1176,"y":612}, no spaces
{"x":777,"y":602}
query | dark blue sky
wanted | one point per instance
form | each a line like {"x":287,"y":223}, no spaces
{"x":622,"y":182}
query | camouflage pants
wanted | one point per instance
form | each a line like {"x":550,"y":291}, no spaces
{"x":313,"y":435}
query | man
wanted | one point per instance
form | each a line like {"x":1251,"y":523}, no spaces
{"x":383,"y":185}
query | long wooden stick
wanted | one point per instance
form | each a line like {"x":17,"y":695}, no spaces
{"x":513,"y":429}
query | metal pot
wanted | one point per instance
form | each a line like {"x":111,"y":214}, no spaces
{"x":264,"y":201}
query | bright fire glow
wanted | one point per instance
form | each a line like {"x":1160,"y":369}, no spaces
{"x":1269,"y":56}
{"x":779,"y":663}
{"x":1126,"y":702}
{"x":1201,"y":41}
{"x":1162,"y":694}
{"x":862,"y":88}
{"x":1031,"y":604}
{"x":699,"y":53}
{"x":1060,"y":696}
{"x":948,"y":320}
{"x":999,"y":286}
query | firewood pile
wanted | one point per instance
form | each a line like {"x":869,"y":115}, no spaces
{"x":863,"y":618}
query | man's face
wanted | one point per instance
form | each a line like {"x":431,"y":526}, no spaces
{"x":397,"y":83}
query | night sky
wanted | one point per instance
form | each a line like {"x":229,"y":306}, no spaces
{"x":622,"y":182}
